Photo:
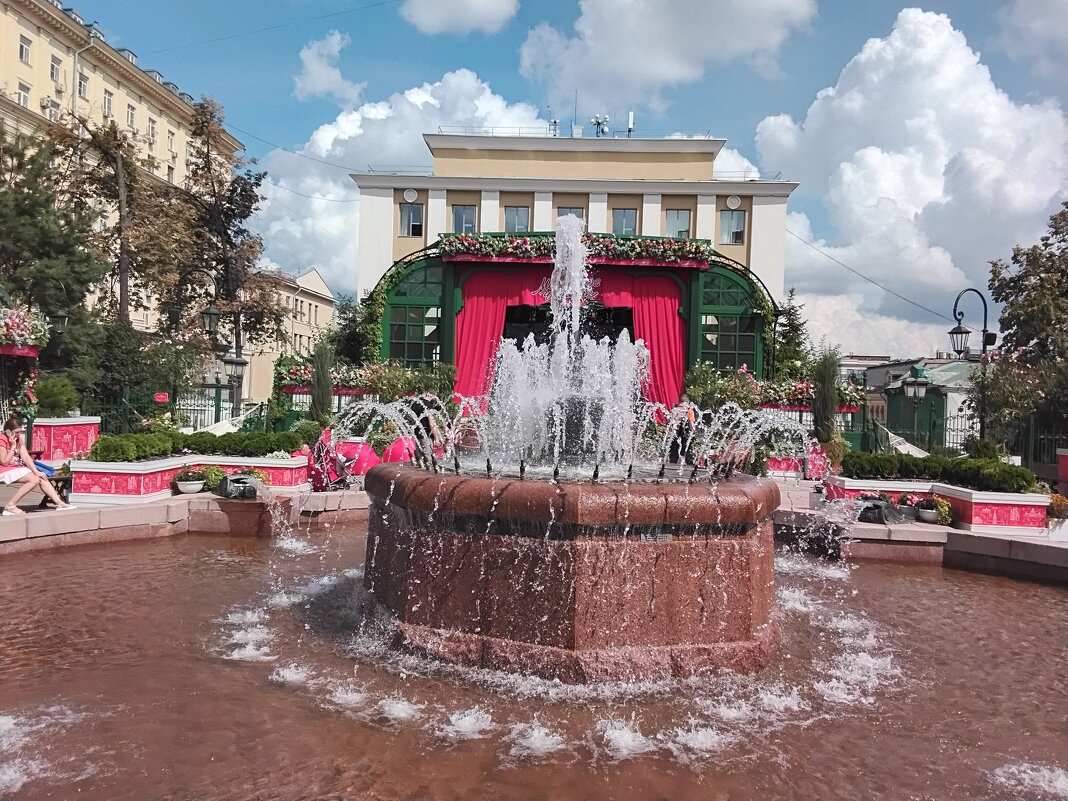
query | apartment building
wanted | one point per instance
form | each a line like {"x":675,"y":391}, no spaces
{"x":691,"y":259}
{"x":54,"y":64}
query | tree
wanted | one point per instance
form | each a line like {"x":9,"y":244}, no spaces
{"x":347,"y":335}
{"x":1029,"y":374}
{"x":146,"y":226}
{"x":826,"y":374}
{"x":322,"y":384}
{"x":793,"y":351}
{"x":223,"y":194}
{"x":46,"y":258}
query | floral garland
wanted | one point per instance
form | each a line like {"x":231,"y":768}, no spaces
{"x":24,"y":401}
{"x":799,"y":393}
{"x":598,"y":245}
{"x":22,"y":327}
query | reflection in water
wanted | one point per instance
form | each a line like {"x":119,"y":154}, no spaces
{"x":207,"y":667}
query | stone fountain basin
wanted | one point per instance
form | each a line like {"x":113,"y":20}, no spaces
{"x":576,"y":581}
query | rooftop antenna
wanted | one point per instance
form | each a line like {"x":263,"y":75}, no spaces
{"x":574,"y":115}
{"x":554,"y":124}
{"x":630,"y":123}
{"x":600,"y":125}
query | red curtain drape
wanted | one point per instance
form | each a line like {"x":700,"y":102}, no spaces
{"x":654,"y":299}
{"x":479,"y":323}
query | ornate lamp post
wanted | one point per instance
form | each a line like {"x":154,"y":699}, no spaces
{"x":915,"y":387}
{"x":958,"y":337}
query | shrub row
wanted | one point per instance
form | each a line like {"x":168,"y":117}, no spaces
{"x":132,"y":447}
{"x":987,"y":475}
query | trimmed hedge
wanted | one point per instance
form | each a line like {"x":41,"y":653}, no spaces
{"x":134,"y":447}
{"x":986,"y":475}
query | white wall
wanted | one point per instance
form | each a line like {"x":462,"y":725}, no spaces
{"x":376,"y":237}
{"x":767,"y":249}
{"x":489,"y":218}
{"x":651,"y":215}
{"x":543,"y":212}
{"x":705,"y":225}
{"x":436,"y":215}
{"x":598,"y":216}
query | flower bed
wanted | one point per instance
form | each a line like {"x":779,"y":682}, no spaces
{"x":60,"y":438}
{"x":136,"y":482}
{"x":20,"y":328}
{"x":973,"y":510}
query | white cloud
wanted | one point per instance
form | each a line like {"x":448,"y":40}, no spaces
{"x":925,"y":168}
{"x":841,"y":320}
{"x":459,"y":16}
{"x":629,"y":51}
{"x":300,"y":233}
{"x":319,"y":74}
{"x":1036,"y":30}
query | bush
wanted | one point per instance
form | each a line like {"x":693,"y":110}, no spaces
{"x":212,"y":476}
{"x":308,"y":431}
{"x":56,"y":396}
{"x":980,"y":448}
{"x":112,"y":449}
{"x":988,"y":475}
{"x":128,"y":447}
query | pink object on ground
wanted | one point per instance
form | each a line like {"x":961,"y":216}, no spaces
{"x":366,"y":458}
{"x":400,"y":450}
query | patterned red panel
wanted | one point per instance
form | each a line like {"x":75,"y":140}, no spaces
{"x":61,"y":442}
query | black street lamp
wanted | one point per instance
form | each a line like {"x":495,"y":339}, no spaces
{"x":958,"y":337}
{"x":209,"y":319}
{"x":59,"y":321}
{"x":915,"y":387}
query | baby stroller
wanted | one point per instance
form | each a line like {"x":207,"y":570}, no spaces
{"x":330,"y":470}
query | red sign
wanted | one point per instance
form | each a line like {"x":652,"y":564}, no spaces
{"x":161,"y":397}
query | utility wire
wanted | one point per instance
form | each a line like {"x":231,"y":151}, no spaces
{"x":311,"y":197}
{"x":279,"y":26}
{"x":866,"y":278}
{"x":291,"y":152}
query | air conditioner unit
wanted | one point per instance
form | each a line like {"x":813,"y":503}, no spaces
{"x":60,"y":88}
{"x":46,"y":102}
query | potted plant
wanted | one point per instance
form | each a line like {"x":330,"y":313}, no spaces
{"x":1057,"y":517}
{"x":934,"y":510}
{"x":906,"y":503}
{"x":189,"y":481}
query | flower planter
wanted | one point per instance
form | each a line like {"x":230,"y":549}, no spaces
{"x":60,"y":438}
{"x":11,"y":349}
{"x":189,"y":487}
{"x":136,"y":482}
{"x":982,"y":512}
{"x":927,"y":515}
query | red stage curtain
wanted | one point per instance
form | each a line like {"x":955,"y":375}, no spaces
{"x":479,"y":323}
{"x":654,"y":299}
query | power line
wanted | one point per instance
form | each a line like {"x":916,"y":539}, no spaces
{"x":311,"y":197}
{"x":279,"y":26}
{"x":291,"y":152}
{"x":886,"y":289}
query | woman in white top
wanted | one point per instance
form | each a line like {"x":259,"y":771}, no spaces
{"x":16,"y":467}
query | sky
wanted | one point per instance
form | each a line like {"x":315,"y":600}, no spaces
{"x":926,"y":140}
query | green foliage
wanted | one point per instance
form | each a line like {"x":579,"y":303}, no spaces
{"x":826,"y":373}
{"x":307,"y":430}
{"x":322,"y":385}
{"x":980,"y":448}
{"x":212,"y":476}
{"x":710,"y":388}
{"x":190,"y":474}
{"x":128,"y":447}
{"x":793,"y":351}
{"x":936,"y":503}
{"x":988,"y":475}
{"x":381,"y":435}
{"x":46,"y":229}
{"x":1030,"y":374}
{"x":347,"y":335}
{"x":56,"y":396}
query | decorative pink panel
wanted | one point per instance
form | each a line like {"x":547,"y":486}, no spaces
{"x":786,"y":463}
{"x":61,"y":442}
{"x":1024,"y":515}
{"x":816,"y":462}
{"x":152,"y":481}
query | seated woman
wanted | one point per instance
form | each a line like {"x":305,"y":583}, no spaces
{"x":16,"y":466}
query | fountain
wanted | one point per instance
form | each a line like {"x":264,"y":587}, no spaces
{"x":565,"y":545}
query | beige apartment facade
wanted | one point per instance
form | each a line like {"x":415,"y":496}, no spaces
{"x":54,"y":66}
{"x":623,"y":186}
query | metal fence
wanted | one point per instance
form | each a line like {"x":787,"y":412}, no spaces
{"x":944,"y":434}
{"x":126,"y":412}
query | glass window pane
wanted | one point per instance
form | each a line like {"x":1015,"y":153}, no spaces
{"x":732,"y":227}
{"x":677,"y":223}
{"x":396,"y":332}
{"x":516,"y":218}
{"x":463,"y":219}
{"x":624,"y":222}
{"x":397,"y":314}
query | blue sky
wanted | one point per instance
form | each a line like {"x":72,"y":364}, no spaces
{"x":681,"y":65}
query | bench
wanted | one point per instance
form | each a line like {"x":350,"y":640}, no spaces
{"x":62,"y":485}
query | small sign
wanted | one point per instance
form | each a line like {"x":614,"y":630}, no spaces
{"x":161,"y":397}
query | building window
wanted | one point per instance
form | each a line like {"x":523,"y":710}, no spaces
{"x":732,"y":227}
{"x":131,"y":116}
{"x":463,"y":219}
{"x":109,"y":99}
{"x":728,"y":341}
{"x":55,"y":70}
{"x":83,"y":85}
{"x":411,"y":219}
{"x":170,"y":141}
{"x":415,"y":334}
{"x":677,"y":223}
{"x":624,"y":222}
{"x":22,"y":96}
{"x":516,"y":218}
{"x":170,"y":174}
{"x":24,"y":50}
{"x":577,"y":211}
{"x":151,"y":132}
